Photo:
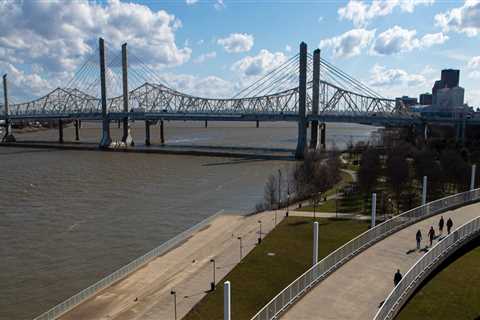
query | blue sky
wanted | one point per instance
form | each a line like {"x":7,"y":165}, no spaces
{"x":214,"y":48}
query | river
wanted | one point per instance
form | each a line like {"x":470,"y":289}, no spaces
{"x":69,"y":218}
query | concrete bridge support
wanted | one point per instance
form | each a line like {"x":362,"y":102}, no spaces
{"x":8,"y":137}
{"x":258,"y":123}
{"x":302,"y":99}
{"x":126,"y":137}
{"x":60,"y":131}
{"x":147,"y":132}
{"x":315,"y":98}
{"x":77,"y":131}
{"x":106,"y":140}
{"x":323,"y":132}
{"x":162,"y":133}
{"x":206,"y":123}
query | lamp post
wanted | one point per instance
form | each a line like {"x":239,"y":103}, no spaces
{"x":174,"y":303}
{"x":240,"y":238}
{"x":288,"y":203}
{"x":336,"y":203}
{"x":260,"y":231}
{"x":212,"y":284}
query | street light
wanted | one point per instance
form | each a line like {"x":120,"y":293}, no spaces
{"x":240,"y":238}
{"x":288,"y":202}
{"x":212,"y":284}
{"x":336,"y":203}
{"x":260,"y":231}
{"x":174,"y":302}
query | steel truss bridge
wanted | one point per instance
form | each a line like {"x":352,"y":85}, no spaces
{"x":304,"y":89}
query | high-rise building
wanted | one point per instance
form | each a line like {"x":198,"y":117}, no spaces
{"x":426,"y":99}
{"x":451,"y":77}
{"x":446,"y":93}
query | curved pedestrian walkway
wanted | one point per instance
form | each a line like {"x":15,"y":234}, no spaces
{"x":358,"y":288}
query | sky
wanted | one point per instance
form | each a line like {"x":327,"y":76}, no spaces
{"x":214,"y":48}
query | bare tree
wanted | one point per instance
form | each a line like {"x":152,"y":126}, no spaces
{"x":271,"y":193}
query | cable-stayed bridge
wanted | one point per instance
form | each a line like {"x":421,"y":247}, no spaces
{"x":306,"y":89}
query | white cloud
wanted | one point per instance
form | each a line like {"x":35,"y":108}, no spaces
{"x":210,"y":86}
{"x":59,"y":36}
{"x":464,"y":19}
{"x":350,"y":43}
{"x":204,"y":57}
{"x":380,"y":76}
{"x":237,"y":42}
{"x":396,"y":40}
{"x":190,"y":2}
{"x":258,"y":65}
{"x":360,"y":12}
{"x":473,"y":67}
{"x":219,"y":5}
{"x":288,"y":48}
{"x":320,"y":19}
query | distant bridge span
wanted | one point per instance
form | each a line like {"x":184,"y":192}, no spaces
{"x":312,"y":101}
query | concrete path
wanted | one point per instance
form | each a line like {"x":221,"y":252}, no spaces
{"x":356,"y":290}
{"x":145,"y":294}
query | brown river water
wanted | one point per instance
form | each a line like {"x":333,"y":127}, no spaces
{"x":69,"y":218}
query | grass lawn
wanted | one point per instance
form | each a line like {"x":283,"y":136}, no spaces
{"x":259,"y":277}
{"x":345,"y":179}
{"x":353,"y":204}
{"x":453,"y":293}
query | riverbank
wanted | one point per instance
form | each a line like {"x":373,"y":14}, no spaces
{"x":146,"y":294}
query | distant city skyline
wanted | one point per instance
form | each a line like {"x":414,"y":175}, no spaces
{"x":214,"y":48}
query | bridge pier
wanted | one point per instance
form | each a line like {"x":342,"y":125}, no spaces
{"x":323,"y":132}
{"x":147,"y":132}
{"x":162,"y":134}
{"x":106,"y":140}
{"x":206,"y":123}
{"x":77,"y":131}
{"x":315,"y":98}
{"x":127,"y":136}
{"x":302,"y":96}
{"x":60,"y":131}
{"x":8,"y":137}
{"x":258,"y":123}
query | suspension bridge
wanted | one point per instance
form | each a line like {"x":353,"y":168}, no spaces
{"x":305,"y":89}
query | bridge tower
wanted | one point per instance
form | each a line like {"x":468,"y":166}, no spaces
{"x":315,"y":98}
{"x":8,"y":137}
{"x":302,"y":101}
{"x":106,"y":140}
{"x":126,"y":137}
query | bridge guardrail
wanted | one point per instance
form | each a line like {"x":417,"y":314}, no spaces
{"x":423,"y":267}
{"x":352,"y":248}
{"x":121,"y":273}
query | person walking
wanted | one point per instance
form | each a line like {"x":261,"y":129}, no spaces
{"x":440,"y":225}
{"x":418,"y":237}
{"x":449,"y":225}
{"x":431,"y":235}
{"x":397,"y":277}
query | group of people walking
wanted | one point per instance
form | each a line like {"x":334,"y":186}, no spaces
{"x":431,"y":236}
{"x":431,"y":232}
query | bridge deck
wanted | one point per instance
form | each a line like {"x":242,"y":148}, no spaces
{"x":356,"y":290}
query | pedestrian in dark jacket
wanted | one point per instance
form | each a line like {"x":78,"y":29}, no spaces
{"x":440,"y":225}
{"x":418,"y":237}
{"x":431,"y":235}
{"x":397,"y":277}
{"x":449,"y":225}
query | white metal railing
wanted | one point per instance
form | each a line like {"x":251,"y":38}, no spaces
{"x":121,"y":273}
{"x":423,"y":267}
{"x":343,"y":254}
